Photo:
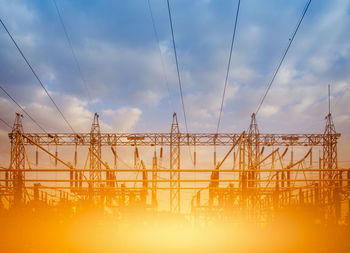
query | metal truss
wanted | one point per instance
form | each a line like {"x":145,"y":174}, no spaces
{"x":190,"y":139}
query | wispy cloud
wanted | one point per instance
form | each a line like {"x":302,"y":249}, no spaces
{"x":119,"y":57}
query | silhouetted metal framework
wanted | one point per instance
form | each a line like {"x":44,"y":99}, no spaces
{"x":330,"y":175}
{"x":95,"y":153}
{"x":17,"y":163}
{"x":175,"y":166}
{"x":154,"y":180}
{"x":246,"y":191}
{"x":253,"y":149}
{"x":330,"y":149}
{"x":190,"y":139}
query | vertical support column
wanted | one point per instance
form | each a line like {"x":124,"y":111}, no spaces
{"x":154,"y":181}
{"x":253,"y":160}
{"x":301,"y":197}
{"x":243,"y":174}
{"x":175,"y":166}
{"x":144,"y":192}
{"x":330,"y":161}
{"x":330,"y":158}
{"x":317,"y":195}
{"x":337,"y":203}
{"x":76,"y":156}
{"x":95,"y":155}
{"x":216,"y":135}
{"x":71,"y":178}
{"x":213,"y":186}
{"x":320,"y":178}
{"x":17,"y":165}
{"x":56,"y":154}
{"x":113,"y":175}
{"x":277,"y":192}
{"x":36,"y":157}
{"x":122,"y":195}
{"x":36,"y":192}
{"x":114,"y":151}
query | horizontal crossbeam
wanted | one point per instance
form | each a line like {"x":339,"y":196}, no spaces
{"x":163,"y":139}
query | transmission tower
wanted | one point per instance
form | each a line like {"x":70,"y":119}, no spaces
{"x":253,"y":160}
{"x":175,"y":166}
{"x":253,"y":151}
{"x":17,"y":164}
{"x":330,"y":165}
{"x":330,"y":148}
{"x":95,"y":154}
{"x":330,"y":155}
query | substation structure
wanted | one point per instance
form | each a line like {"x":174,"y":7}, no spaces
{"x":259,"y":184}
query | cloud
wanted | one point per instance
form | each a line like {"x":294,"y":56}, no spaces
{"x":119,"y":58}
{"x":268,"y":110}
{"x":206,"y":106}
{"x":123,"y":119}
{"x":303,"y":105}
{"x":75,"y":110}
{"x":286,"y":75}
{"x":43,"y":111}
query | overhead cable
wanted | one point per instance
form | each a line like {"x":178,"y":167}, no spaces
{"x":177,"y":66}
{"x":72,"y":51}
{"x":36,"y":76}
{"x":160,"y":53}
{"x":3,"y":121}
{"x":284,"y":55}
{"x":228,"y":65}
{"x":30,"y":117}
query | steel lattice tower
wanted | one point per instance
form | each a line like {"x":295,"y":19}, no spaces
{"x":253,"y":151}
{"x":330,"y":165}
{"x":175,"y":166}
{"x":95,"y":153}
{"x":17,"y":176}
{"x":330,"y":156}
{"x":253,"y":160}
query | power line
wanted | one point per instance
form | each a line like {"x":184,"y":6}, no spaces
{"x":36,"y":76}
{"x":160,"y":52}
{"x":3,"y":121}
{"x":177,"y":66}
{"x":229,"y":64}
{"x":72,"y":51}
{"x":35,"y":122}
{"x":284,"y":55}
{"x":178,"y":76}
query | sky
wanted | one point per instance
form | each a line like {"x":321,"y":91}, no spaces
{"x":131,"y":81}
